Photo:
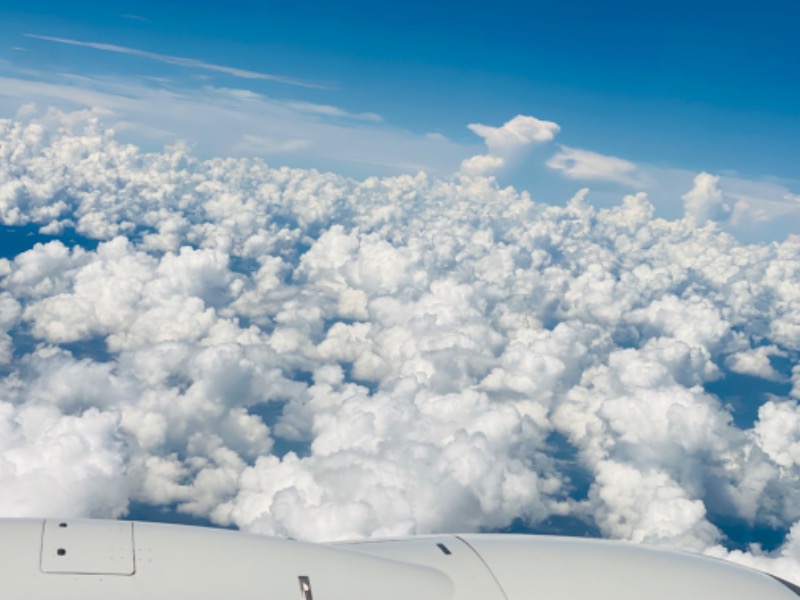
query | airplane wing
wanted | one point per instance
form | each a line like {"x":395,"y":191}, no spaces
{"x":124,"y":560}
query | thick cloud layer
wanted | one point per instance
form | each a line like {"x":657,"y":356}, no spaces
{"x":300,"y":354}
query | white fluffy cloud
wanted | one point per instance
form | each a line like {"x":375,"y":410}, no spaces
{"x":298,"y":353}
{"x":704,"y":202}
{"x":649,"y":507}
{"x":55,"y":464}
{"x":778,"y":432}
{"x":506,"y":142}
{"x":518,"y":131}
{"x":756,"y":362}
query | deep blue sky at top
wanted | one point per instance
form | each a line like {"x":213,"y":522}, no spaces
{"x":702,"y":84}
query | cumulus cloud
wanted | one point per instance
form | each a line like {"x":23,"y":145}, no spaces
{"x":506,"y":142}
{"x":778,"y":432}
{"x":756,"y":362}
{"x":481,"y":164}
{"x":519,"y":130}
{"x":50,"y":463}
{"x":704,"y":202}
{"x":297,"y":353}
{"x":648,"y":508}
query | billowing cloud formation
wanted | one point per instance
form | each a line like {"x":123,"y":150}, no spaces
{"x":301,"y":354}
{"x":704,"y":201}
{"x":756,"y":362}
{"x":506,"y":142}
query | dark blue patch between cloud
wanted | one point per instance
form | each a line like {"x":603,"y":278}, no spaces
{"x":15,"y":240}
{"x":94,"y":349}
{"x":167,"y":513}
{"x":745,"y":394}
{"x":554,"y":525}
{"x":270,"y":413}
{"x":567,"y":457}
{"x":739,"y":534}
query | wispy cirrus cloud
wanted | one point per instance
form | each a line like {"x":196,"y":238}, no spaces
{"x":181,"y":61}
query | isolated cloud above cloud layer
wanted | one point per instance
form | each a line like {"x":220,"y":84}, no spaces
{"x":297,"y":353}
{"x":507,"y":142}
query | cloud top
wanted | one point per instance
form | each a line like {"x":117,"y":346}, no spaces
{"x":704,"y":202}
{"x":505,"y":143}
